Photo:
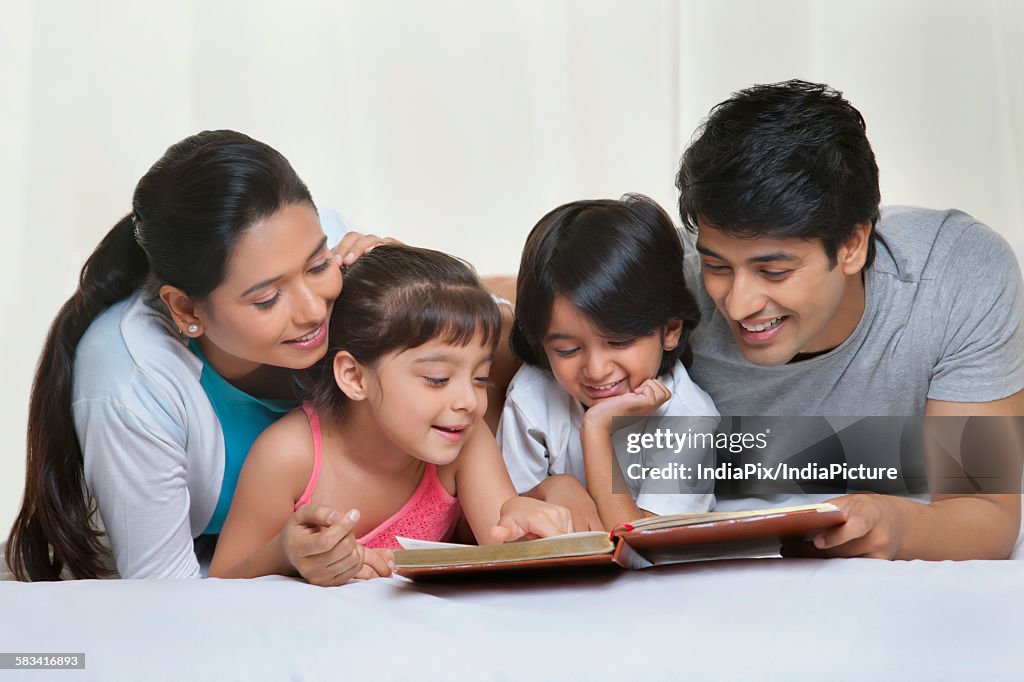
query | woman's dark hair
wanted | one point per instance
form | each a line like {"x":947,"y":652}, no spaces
{"x":618,"y":262}
{"x":399,"y":297}
{"x":786,"y":160}
{"x":188,"y":211}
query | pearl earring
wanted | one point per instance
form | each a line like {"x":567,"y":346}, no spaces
{"x":357,"y":396}
{"x":193,"y":328}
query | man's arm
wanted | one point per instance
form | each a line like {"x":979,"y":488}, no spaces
{"x":952,"y":526}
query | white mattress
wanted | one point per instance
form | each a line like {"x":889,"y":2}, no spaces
{"x":755,"y":619}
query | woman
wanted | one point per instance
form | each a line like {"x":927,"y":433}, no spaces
{"x":177,"y":349}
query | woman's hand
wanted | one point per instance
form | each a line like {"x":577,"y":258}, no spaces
{"x":355,"y":244}
{"x":523,"y":518}
{"x":321,"y":545}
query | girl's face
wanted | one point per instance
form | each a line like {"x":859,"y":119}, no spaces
{"x":427,"y":399}
{"x":275,"y":302}
{"x":592,"y":367}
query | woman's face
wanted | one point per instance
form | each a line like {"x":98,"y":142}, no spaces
{"x":274,"y":305}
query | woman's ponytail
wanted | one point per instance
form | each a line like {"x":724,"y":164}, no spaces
{"x":53,"y":530}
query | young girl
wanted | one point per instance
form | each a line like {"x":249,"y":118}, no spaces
{"x":602,"y":319}
{"x":400,"y":392}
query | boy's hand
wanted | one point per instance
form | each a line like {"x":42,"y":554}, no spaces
{"x":321,"y":545}
{"x":523,"y":518}
{"x":640,"y":402}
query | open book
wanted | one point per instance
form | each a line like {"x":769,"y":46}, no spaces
{"x":640,"y":544}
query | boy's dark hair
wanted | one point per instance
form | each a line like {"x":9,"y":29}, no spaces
{"x":397,"y":297}
{"x":619,"y":262}
{"x":786,"y":160}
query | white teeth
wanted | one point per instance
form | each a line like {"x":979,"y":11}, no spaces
{"x":761,"y":327}
{"x":606,"y":386}
{"x":308,"y":337}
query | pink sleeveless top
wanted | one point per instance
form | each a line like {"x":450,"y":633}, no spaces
{"x":430,"y":513}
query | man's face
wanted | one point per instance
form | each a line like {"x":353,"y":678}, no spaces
{"x":780,"y":296}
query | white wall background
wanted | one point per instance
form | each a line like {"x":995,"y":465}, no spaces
{"x":456,"y":124}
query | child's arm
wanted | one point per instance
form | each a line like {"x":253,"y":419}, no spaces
{"x":492,"y":508}
{"x":566,"y":491}
{"x":525,"y":452}
{"x":262,"y":536}
{"x":603,"y":474}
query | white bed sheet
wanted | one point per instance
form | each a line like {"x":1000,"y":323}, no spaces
{"x":753,"y":619}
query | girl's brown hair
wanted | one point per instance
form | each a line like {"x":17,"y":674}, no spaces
{"x":399,"y":297}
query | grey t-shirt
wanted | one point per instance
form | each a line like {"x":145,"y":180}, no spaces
{"x":942,"y":320}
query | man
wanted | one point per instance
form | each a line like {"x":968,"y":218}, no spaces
{"x":815,"y":302}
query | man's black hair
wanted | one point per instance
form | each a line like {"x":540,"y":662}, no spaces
{"x":785,"y":160}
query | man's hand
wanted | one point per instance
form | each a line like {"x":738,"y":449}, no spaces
{"x":872,"y":529}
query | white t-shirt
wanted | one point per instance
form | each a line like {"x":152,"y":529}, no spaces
{"x":539,"y":436}
{"x":152,"y":447}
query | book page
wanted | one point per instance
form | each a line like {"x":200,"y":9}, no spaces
{"x":710,"y":517}
{"x":590,"y":543}
{"x":413,"y":543}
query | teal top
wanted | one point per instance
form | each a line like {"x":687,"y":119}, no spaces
{"x":242,"y":418}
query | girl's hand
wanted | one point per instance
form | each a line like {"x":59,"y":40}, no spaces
{"x":871,"y":530}
{"x":321,"y":545}
{"x":523,"y":518}
{"x":640,"y":402}
{"x":377,"y":563}
{"x":355,"y":244}
{"x":565,"y":490}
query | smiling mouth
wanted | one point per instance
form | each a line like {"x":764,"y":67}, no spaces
{"x":451,"y":433}
{"x":313,"y":338}
{"x":604,"y":390}
{"x":604,"y":387}
{"x":764,"y":326}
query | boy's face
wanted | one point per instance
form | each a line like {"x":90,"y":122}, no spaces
{"x":591,"y":366}
{"x":780,"y":297}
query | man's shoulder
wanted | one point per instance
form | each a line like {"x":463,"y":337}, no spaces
{"x":919,"y":243}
